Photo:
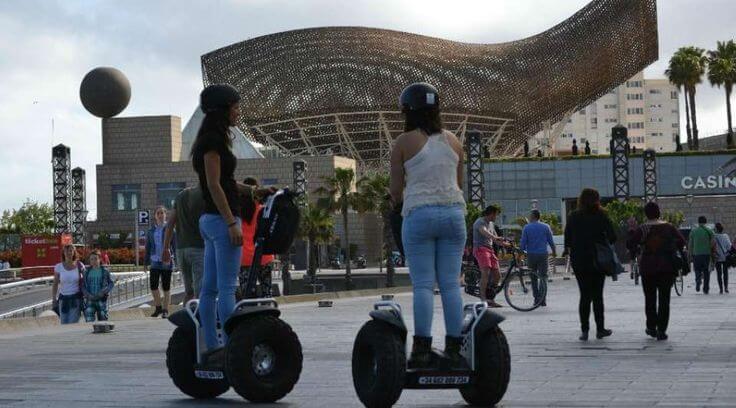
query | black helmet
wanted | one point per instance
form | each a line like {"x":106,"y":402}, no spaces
{"x":418,"y":96}
{"x":218,"y":96}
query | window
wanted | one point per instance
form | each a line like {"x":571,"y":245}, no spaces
{"x":636,"y":125}
{"x":675,"y":137}
{"x":655,"y":119}
{"x":676,"y":125}
{"x":126,"y":197}
{"x":655,"y":105}
{"x":655,"y":91}
{"x":675,"y":111}
{"x":634,"y":84}
{"x":594,"y":123}
{"x":634,"y":97}
{"x":673,"y":95}
{"x":655,"y":134}
{"x":611,"y":120}
{"x":635,"y":111}
{"x":582,"y":111}
{"x":166,"y":193}
{"x":609,"y":106}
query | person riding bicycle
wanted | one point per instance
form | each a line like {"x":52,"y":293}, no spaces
{"x":426,"y":175}
{"x":484,"y":237}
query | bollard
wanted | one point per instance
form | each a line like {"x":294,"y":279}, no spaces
{"x":324,"y":303}
{"x":387,"y":297}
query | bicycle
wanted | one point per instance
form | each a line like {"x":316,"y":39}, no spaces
{"x":523,"y":288}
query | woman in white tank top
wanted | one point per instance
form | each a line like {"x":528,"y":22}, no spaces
{"x":426,"y":175}
{"x":66,"y":292}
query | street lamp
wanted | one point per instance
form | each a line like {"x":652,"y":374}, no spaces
{"x":535,"y":204}
{"x":689,"y":200}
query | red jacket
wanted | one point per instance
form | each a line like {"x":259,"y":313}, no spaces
{"x":249,"y":231}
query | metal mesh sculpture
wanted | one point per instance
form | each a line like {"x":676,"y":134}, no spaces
{"x":335,"y":89}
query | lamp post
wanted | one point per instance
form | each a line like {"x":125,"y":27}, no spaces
{"x":689,"y":200}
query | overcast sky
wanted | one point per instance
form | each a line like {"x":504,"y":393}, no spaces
{"x":46,"y":47}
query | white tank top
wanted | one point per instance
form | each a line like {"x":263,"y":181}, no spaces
{"x":431,"y":176}
{"x":68,"y":280}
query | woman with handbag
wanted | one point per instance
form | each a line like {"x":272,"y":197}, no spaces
{"x":723,"y":244}
{"x":587,"y":226}
{"x":659,"y":244}
{"x":66,"y":291}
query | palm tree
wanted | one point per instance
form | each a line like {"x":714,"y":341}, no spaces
{"x":341,"y":198}
{"x":676,"y":74}
{"x":694,"y":66}
{"x":722,"y":71}
{"x":373,"y":197}
{"x":316,"y":226}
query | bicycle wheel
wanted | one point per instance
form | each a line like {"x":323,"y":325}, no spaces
{"x":679,"y":284}
{"x":519,"y":289}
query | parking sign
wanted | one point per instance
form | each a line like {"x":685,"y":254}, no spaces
{"x":143,"y":217}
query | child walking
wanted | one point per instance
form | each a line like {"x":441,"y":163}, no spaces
{"x":97,"y":286}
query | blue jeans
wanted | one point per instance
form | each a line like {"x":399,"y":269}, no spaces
{"x":434,"y":238}
{"x":70,"y":308}
{"x":221,"y":266}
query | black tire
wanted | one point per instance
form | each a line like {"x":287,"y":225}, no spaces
{"x":258,"y":333}
{"x":181,"y":356}
{"x":521,"y":276}
{"x":379,"y":364}
{"x":493,"y":370}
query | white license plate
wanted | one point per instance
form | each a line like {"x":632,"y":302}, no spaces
{"x":444,"y":380}
{"x":209,"y":375}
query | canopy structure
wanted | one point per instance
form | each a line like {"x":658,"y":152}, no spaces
{"x":335,"y":89}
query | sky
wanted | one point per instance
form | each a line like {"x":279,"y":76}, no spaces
{"x":46,"y":48}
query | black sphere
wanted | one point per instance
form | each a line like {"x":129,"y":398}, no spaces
{"x":105,"y":92}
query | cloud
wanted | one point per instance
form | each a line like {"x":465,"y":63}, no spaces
{"x":46,"y":47}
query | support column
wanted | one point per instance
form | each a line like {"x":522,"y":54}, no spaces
{"x":620,"y":158}
{"x":79,"y":205}
{"x":650,"y":176}
{"x":61,"y":166}
{"x":474,"y":159}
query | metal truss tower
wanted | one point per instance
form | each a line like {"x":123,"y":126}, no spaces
{"x":620,"y":157}
{"x":79,"y":205}
{"x":474,"y":149}
{"x":650,"y":176}
{"x":61,"y":166}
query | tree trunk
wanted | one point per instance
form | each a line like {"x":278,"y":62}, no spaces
{"x":310,"y":268}
{"x":348,"y":277}
{"x":693,"y":112}
{"x":388,"y":244}
{"x":687,"y":120}
{"x":380,"y":247}
{"x":729,"y":135}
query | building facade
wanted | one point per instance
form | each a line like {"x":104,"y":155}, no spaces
{"x":649,"y":108}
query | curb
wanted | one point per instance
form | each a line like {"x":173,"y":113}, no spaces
{"x":142,"y":313}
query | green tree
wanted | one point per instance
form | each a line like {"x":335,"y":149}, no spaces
{"x":675,"y":218}
{"x":31,"y":218}
{"x":619,"y":212}
{"x":372,"y":196}
{"x":341,"y":197}
{"x":316,"y":226}
{"x":722,"y":71}
{"x":553,"y":221}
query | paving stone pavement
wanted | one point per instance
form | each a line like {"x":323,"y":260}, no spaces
{"x":70,"y":367}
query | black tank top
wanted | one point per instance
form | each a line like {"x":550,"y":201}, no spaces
{"x":228,"y":162}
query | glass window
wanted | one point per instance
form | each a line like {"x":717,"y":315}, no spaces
{"x":655,"y":91}
{"x":126,"y":197}
{"x":673,"y":95}
{"x":166,"y":193}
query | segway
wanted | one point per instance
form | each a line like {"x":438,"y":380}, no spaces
{"x":262,"y":359}
{"x":380,"y":370}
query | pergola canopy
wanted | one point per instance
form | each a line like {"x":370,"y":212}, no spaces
{"x":335,"y":89}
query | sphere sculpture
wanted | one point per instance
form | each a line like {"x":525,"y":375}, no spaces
{"x":105,"y":92}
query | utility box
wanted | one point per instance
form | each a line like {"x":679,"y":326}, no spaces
{"x":39,"y":253}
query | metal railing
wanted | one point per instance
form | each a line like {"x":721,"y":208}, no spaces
{"x":129,"y":289}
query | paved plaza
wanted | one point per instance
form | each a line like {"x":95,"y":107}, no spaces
{"x":70,"y":367}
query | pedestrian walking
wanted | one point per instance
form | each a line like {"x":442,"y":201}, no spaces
{"x":658,"y":244}
{"x":701,"y":245}
{"x":184,"y":220}
{"x":159,"y":269}
{"x":723,"y":245}
{"x":485,"y":239}
{"x":66,"y":291}
{"x":97,"y":284}
{"x":536,"y":237}
{"x":587,"y":226}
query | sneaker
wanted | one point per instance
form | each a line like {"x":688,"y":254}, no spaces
{"x":661,"y":335}
{"x":651,"y":333}
{"x":492,"y":303}
{"x":583,"y":336}
{"x":599,"y":334}
{"x":165,"y":314}
{"x":697,"y":286}
{"x":421,"y":352}
{"x":157,"y":312}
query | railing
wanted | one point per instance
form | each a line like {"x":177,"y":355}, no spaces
{"x":126,"y":290}
{"x":18,"y":274}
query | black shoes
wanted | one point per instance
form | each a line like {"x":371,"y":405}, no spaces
{"x":661,"y":335}
{"x":583,"y":336}
{"x":452,"y":351}
{"x":157,"y":312}
{"x":165,"y":314}
{"x":421,"y":352}
{"x":601,"y":333}
{"x":651,"y":333}
{"x":697,"y":286}
{"x":214,"y":358}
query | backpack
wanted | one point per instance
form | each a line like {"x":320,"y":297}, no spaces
{"x":278,"y":222}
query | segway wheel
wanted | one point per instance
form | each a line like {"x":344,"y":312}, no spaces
{"x":181,"y":357}
{"x":493,"y":370}
{"x":264,"y":359}
{"x":379,"y":365}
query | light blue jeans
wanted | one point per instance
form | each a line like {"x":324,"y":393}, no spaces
{"x":434,"y":238}
{"x":221,"y":266}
